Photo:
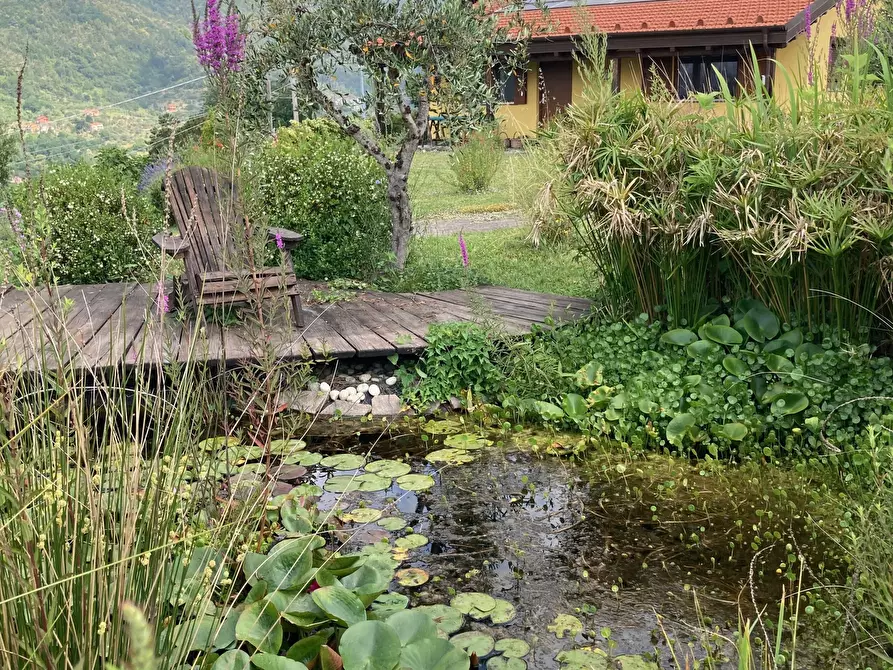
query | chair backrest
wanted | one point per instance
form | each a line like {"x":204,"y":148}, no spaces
{"x":202,"y":203}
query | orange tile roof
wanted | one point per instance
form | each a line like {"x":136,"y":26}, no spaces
{"x":662,"y":16}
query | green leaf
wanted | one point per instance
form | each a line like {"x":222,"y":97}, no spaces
{"x":512,"y":647}
{"x":778,"y":364}
{"x":791,"y":402}
{"x":733,"y":431}
{"x":260,"y":625}
{"x":329,"y":659}
{"x":574,"y":406}
{"x":288,"y":562}
{"x":702,"y":349}
{"x":234,"y":659}
{"x":306,"y":650}
{"x":415,"y":482}
{"x":735,"y":366}
{"x":340,"y":604}
{"x":370,"y":645}
{"x":589,"y":375}
{"x":434,"y":654}
{"x":447,"y":619}
{"x":679,"y":428}
{"x":412,"y":626}
{"x":474,"y":642}
{"x":548,"y":411}
{"x":723,"y":335}
{"x":809,"y":350}
{"x":271,"y":662}
{"x":680,"y":337}
{"x":789,"y":340}
{"x":295,"y":517}
{"x":386,"y":468}
{"x":760,"y":324}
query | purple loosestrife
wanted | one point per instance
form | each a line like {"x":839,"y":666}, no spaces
{"x":463,"y":249}
{"x":848,"y":9}
{"x":151,"y":172}
{"x":807,"y":18}
{"x":163,"y":300}
{"x":218,"y":40}
{"x":279,"y":242}
{"x":831,"y":51}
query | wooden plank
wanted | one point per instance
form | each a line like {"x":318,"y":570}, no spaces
{"x":61,"y":350}
{"x":450,"y":311}
{"x":379,"y":322}
{"x":322,"y":338}
{"x":357,"y":335}
{"x":111,"y":343}
{"x":25,"y":332}
{"x":412,"y":316}
{"x":535,"y":311}
{"x":578,"y":304}
{"x":502,"y":308}
{"x":462,"y":299}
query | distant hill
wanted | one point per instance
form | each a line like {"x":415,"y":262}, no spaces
{"x":87,"y":53}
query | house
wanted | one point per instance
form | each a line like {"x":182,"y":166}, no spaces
{"x":678,"y":41}
{"x":171,"y":107}
{"x":91,"y":111}
{"x":95,"y":127}
{"x":44,"y":125}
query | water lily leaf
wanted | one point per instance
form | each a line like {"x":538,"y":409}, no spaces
{"x":259,"y":624}
{"x":503,"y":612}
{"x":272,"y":662}
{"x":362,"y":515}
{"x":447,"y":619}
{"x":702,"y":349}
{"x":388,"y":603}
{"x":452,"y":456}
{"x":630,"y":662}
{"x":442,"y":427}
{"x":305,"y":458}
{"x":234,"y":659}
{"x":285,"y":447}
{"x":412,"y":577}
{"x":474,"y":642}
{"x":343,"y":462}
{"x":412,"y":626}
{"x":723,"y":335}
{"x":574,"y":406}
{"x":548,"y":411}
{"x":467,"y":441}
{"x":370,"y":645}
{"x":512,"y":647}
{"x":788,"y":403}
{"x":778,"y":364}
{"x":215,"y":443}
{"x":735,"y":366}
{"x":392,"y":523}
{"x":679,"y":336}
{"x":307,"y":649}
{"x":468,"y":602}
{"x":566,"y":624}
{"x":680,"y":427}
{"x":733,"y":431}
{"x":295,"y":517}
{"x":367,"y":482}
{"x":329,"y":659}
{"x":385,"y":468}
{"x":506,"y":663}
{"x":583,"y":659}
{"x":411,"y":541}
{"x":434,"y":654}
{"x":759,"y":323}
{"x":415,"y":482}
{"x":288,"y":562}
{"x":340,"y":604}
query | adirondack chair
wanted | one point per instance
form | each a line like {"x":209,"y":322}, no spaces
{"x":206,"y":245}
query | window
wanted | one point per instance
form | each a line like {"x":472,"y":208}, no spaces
{"x":512,"y":85}
{"x":699,"y":74}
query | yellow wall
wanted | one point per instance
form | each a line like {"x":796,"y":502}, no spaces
{"x":630,"y":74}
{"x":795,"y":57}
{"x":521,"y":120}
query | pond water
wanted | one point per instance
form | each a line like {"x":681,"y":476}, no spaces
{"x":642,"y":553}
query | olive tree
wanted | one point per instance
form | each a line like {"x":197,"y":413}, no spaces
{"x":415,"y":57}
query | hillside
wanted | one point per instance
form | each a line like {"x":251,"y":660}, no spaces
{"x":87,"y":53}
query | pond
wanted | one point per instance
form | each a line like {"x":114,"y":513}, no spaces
{"x":639,"y":558}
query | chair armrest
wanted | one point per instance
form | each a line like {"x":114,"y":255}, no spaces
{"x":173,"y":245}
{"x":290,"y":239}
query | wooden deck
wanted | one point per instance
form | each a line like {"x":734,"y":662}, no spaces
{"x":112,"y":325}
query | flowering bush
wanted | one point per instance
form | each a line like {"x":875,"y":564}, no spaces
{"x":317,"y":182}
{"x":88,"y":223}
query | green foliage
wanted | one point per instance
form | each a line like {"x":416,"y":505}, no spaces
{"x":459,"y":358}
{"x":316,"y":181}
{"x":170,"y":135}
{"x":476,"y":160}
{"x":117,"y":160}
{"x":9,"y":149}
{"x":86,"y":224}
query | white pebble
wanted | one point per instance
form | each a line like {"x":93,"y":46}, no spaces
{"x":390,"y":381}
{"x":334,"y":395}
{"x":362,"y":388}
{"x":324,"y":387}
{"x":350,"y":390}
{"x":374,"y":390}
{"x":365,"y":377}
{"x":314,"y":386}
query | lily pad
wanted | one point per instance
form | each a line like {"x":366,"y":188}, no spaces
{"x":366,"y":482}
{"x":503,"y":612}
{"x":506,"y":663}
{"x":411,"y":577}
{"x":362,"y":515}
{"x":583,"y":659}
{"x":630,"y":662}
{"x":411,"y":541}
{"x":467,"y":441}
{"x":392,"y":523}
{"x":386,"y":468}
{"x":388,"y":603}
{"x":435,"y":654}
{"x":415,"y":482}
{"x":285,"y":447}
{"x":566,"y":625}
{"x":305,"y":458}
{"x":215,"y":443}
{"x":474,"y":642}
{"x":471,"y":602}
{"x":343,"y":462}
{"x":447,"y":619}
{"x":512,"y":647}
{"x":452,"y":456}
{"x":442,"y":427}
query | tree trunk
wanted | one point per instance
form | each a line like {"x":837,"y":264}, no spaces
{"x":401,"y":214}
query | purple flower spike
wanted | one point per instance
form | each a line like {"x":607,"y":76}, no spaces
{"x":218,"y":40}
{"x":849,"y":8}
{"x":463,"y":249}
{"x":279,"y":242}
{"x":807,"y":18}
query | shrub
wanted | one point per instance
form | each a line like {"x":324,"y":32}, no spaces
{"x":476,"y":161}
{"x":316,"y":181}
{"x":87,"y":224}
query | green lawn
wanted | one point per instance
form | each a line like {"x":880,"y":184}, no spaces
{"x":433,"y":192}
{"x":503,"y":257}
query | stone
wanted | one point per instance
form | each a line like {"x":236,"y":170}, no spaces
{"x":347,"y":408}
{"x":376,"y":379}
{"x":374,"y":390}
{"x":365,"y":377}
{"x":349,"y":391}
{"x":280,"y":489}
{"x":315,"y":386}
{"x":309,"y":402}
{"x":362,"y":388}
{"x":324,"y":386}
{"x":289,"y":473}
{"x":455,"y":403}
{"x":386,"y":405}
{"x":349,"y":379}
{"x":390,"y":381}
{"x":334,"y":395}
